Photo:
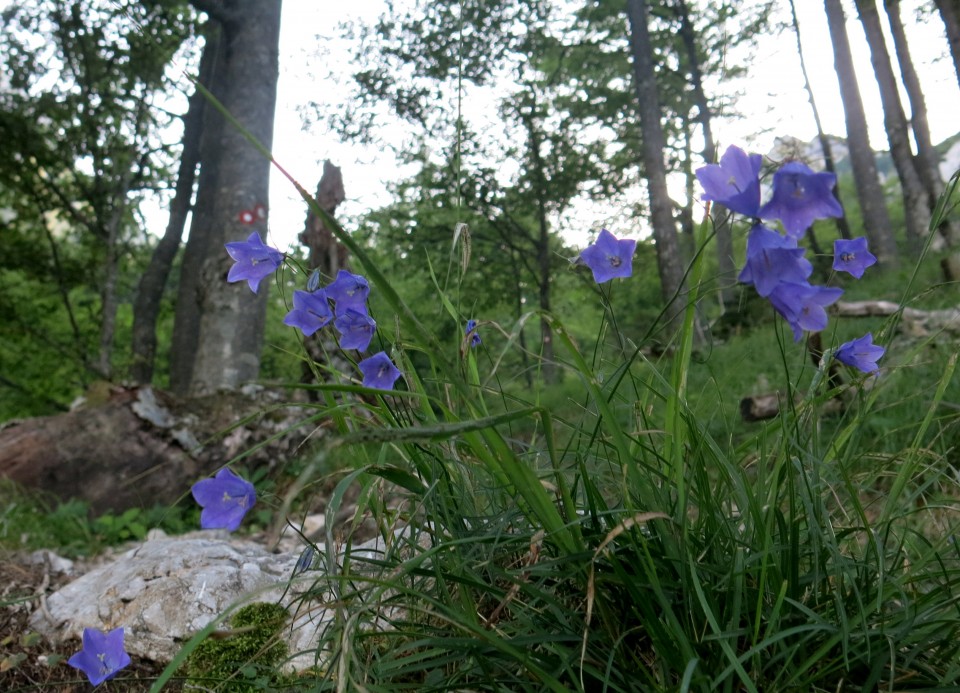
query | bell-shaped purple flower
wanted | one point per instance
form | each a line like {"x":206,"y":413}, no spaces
{"x":379,"y":372}
{"x":311,"y":311}
{"x":800,"y":197}
{"x":852,"y":256}
{"x":225,"y":499}
{"x":771,"y":259}
{"x":861,"y":353}
{"x":102,"y":655}
{"x":472,"y":333}
{"x":803,"y":306}
{"x":734,"y":182}
{"x":254,"y":261}
{"x":609,"y":257}
{"x":349,"y":292}
{"x":356,"y":329}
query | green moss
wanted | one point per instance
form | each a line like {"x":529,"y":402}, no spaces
{"x":245,"y":658}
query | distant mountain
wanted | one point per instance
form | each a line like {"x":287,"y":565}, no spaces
{"x":810,"y":153}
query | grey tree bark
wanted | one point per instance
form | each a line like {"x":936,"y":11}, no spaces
{"x":915,"y":202}
{"x":927,"y":160}
{"x":950,"y":14}
{"x":146,"y":306}
{"x":225,"y":322}
{"x":661,"y":214}
{"x":876,"y":218}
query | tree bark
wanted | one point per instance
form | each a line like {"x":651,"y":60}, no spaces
{"x":230,"y":319}
{"x":873,"y":208}
{"x":146,"y":307}
{"x":843,"y":227}
{"x":916,"y":206}
{"x":950,"y":14}
{"x":927,"y":160}
{"x":661,"y":209}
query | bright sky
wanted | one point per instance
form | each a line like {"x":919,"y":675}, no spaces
{"x":774,"y":103}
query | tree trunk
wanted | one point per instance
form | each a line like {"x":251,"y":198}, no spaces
{"x":843,"y":228}
{"x":873,"y":208}
{"x":146,"y":306}
{"x":661,"y":211}
{"x":230,"y":318}
{"x":950,"y":14}
{"x":916,"y":207}
{"x":726,"y":271}
{"x":328,"y":256}
{"x":927,"y":160}
{"x":548,"y":369}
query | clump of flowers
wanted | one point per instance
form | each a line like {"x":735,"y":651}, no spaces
{"x":102,"y":656}
{"x":775,"y":265}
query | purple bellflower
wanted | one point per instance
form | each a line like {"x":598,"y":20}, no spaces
{"x":311,"y":311}
{"x":852,"y":256}
{"x":609,"y":257}
{"x":254,"y":260}
{"x":356,"y":329}
{"x":379,"y":372}
{"x":771,"y":259}
{"x":349,"y":292}
{"x":803,"y":306}
{"x":861,"y":354}
{"x":801,"y":196}
{"x":102,"y":655}
{"x":225,"y":499}
{"x":472,"y":333}
{"x":734,"y":182}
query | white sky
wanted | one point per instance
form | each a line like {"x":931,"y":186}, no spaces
{"x":774,"y":104}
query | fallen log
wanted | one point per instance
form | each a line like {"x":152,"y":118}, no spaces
{"x":142,"y":447}
{"x":913,"y":322}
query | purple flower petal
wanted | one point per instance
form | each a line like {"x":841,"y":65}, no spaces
{"x":861,"y":353}
{"x":379,"y":372}
{"x":356,"y":329}
{"x":609,"y":257}
{"x":311,"y":311}
{"x":349,"y":292}
{"x":254,"y":261}
{"x":102,"y":655}
{"x":852,"y":256}
{"x":734,"y":182}
{"x":800,"y":197}
{"x":225,"y":500}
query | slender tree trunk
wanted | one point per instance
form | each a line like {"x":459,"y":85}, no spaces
{"x":915,"y":201}
{"x":661,"y":209}
{"x":226,"y":321}
{"x":721,"y":219}
{"x":873,"y":208}
{"x":146,"y":307}
{"x":950,"y":14}
{"x":843,"y":228}
{"x":927,"y":161}
{"x":186,"y":319}
{"x":548,"y":369}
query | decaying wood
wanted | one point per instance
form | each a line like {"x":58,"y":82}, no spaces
{"x":326,"y":252}
{"x":142,"y":447}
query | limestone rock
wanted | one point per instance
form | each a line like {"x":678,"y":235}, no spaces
{"x":166,"y":589}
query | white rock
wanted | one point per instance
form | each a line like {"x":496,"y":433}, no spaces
{"x":166,"y":589}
